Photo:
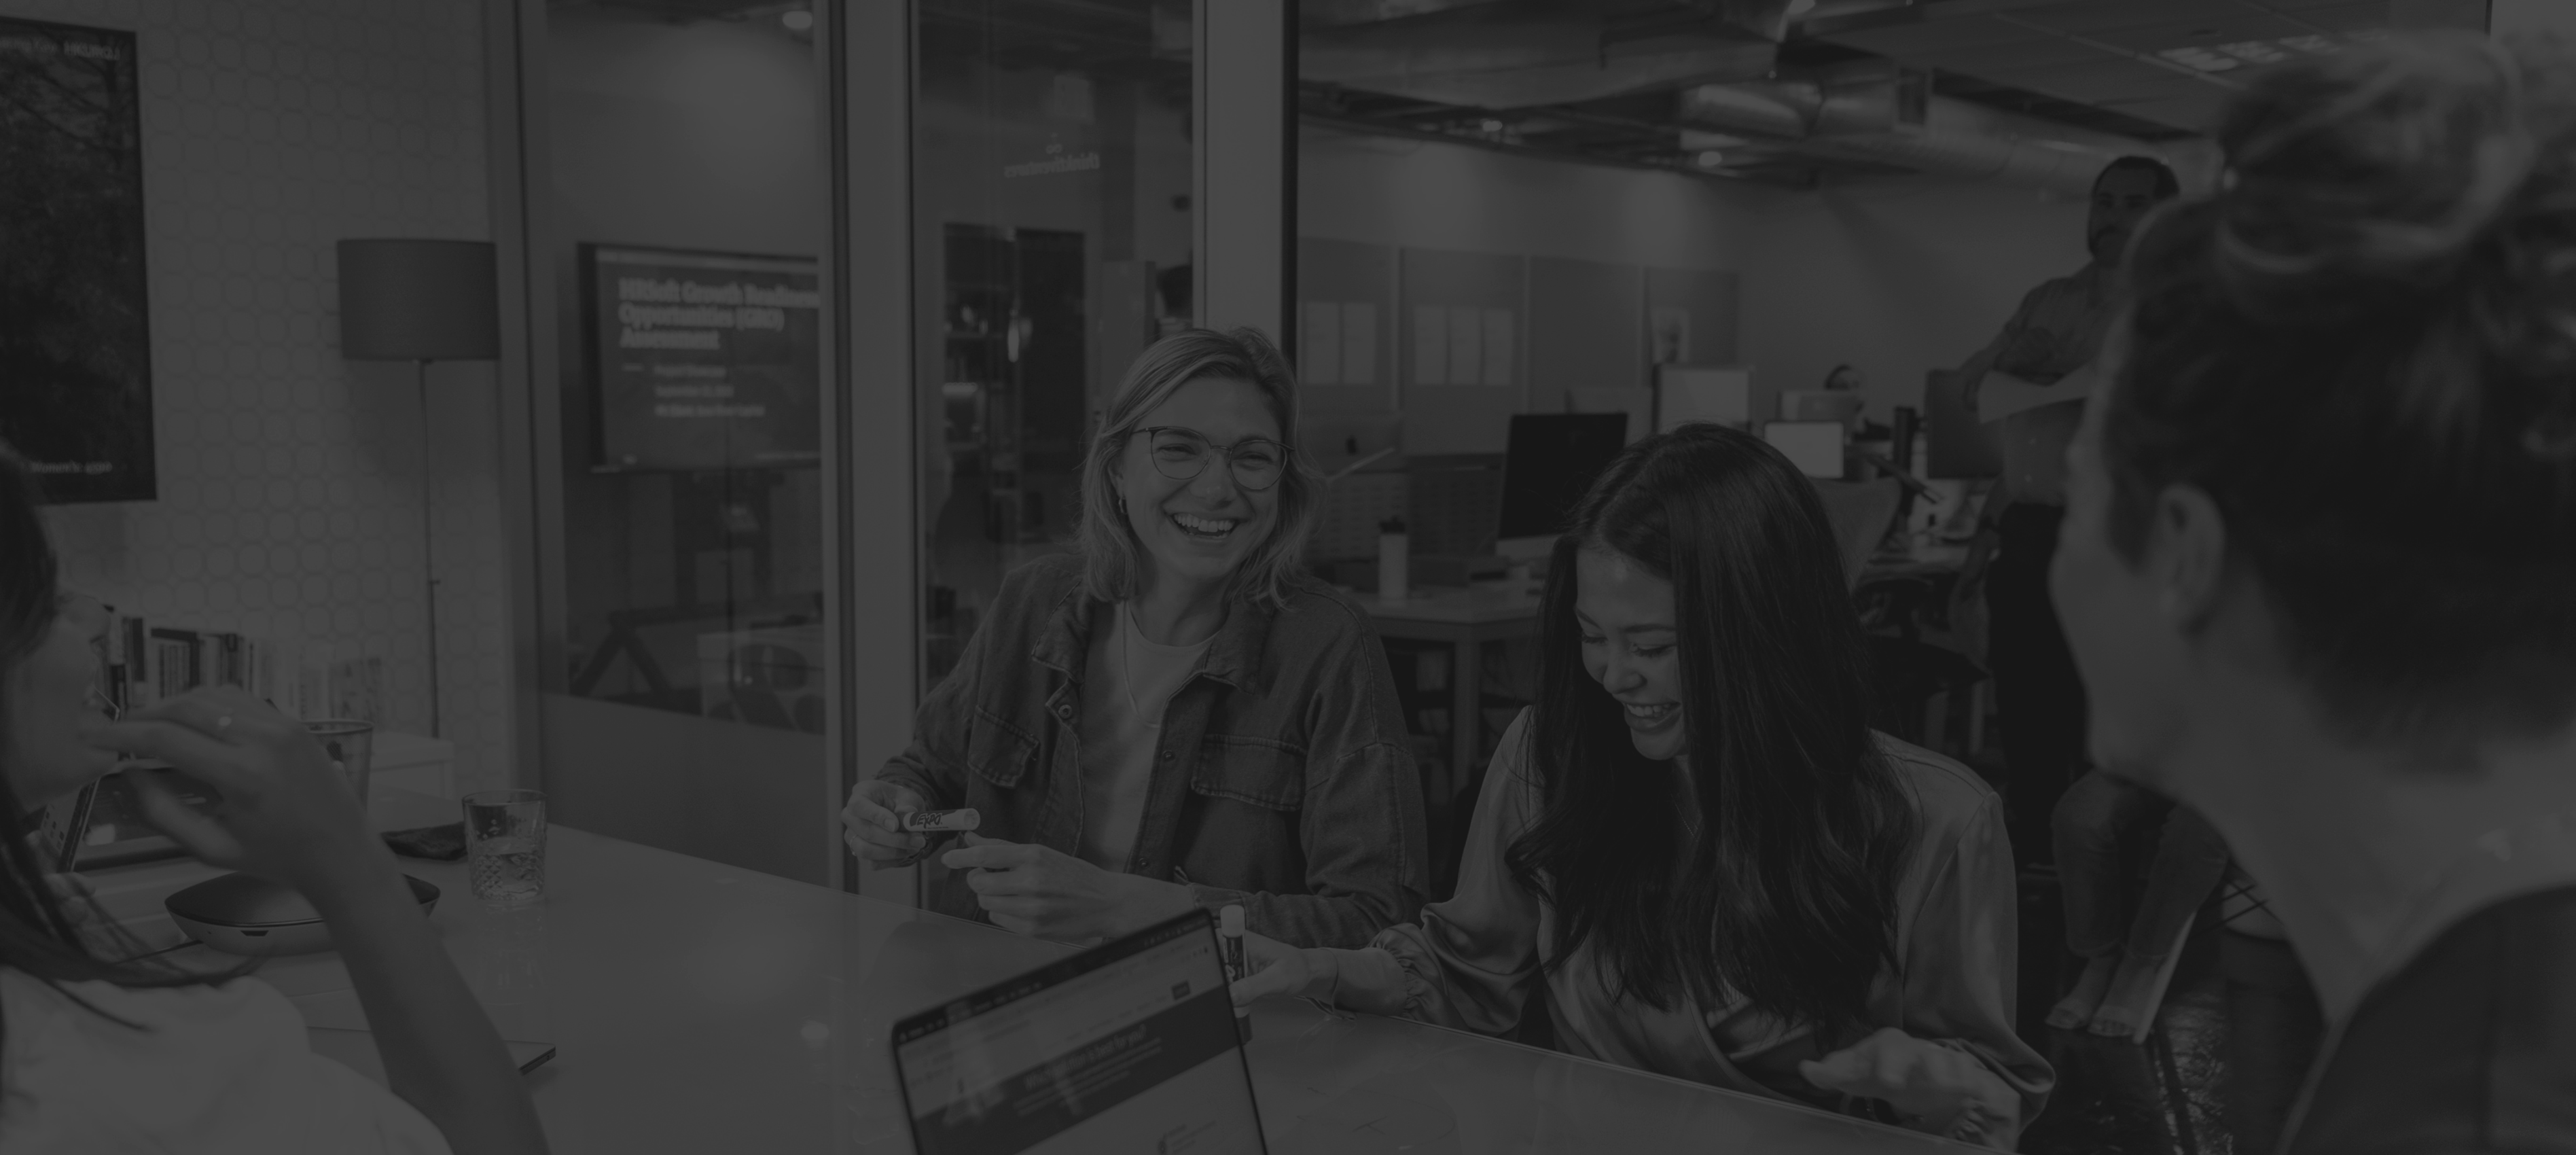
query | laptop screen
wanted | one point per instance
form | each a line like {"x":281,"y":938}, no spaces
{"x":1129,"y":1046}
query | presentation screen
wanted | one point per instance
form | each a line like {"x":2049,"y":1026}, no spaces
{"x":703,"y":361}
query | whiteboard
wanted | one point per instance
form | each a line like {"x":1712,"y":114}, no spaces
{"x":1687,"y":394}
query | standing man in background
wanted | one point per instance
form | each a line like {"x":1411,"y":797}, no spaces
{"x":2056,"y":332}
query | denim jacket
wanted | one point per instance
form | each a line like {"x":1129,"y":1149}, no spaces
{"x":1283,"y":781}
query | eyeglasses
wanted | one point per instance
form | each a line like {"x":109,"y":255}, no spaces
{"x":1182,"y":454}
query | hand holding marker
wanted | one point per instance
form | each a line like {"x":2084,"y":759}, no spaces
{"x":942,"y":821}
{"x":1229,"y":945}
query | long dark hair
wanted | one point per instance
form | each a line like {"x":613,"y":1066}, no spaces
{"x":2363,"y":349}
{"x":1788,"y":897}
{"x":38,"y":935}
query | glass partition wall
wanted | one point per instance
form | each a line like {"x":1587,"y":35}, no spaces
{"x":678,"y":194}
{"x":1052,"y":182}
{"x":822,"y":299}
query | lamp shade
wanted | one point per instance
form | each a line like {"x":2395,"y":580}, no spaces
{"x":407,"y":300}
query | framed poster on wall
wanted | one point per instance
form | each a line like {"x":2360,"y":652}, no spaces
{"x":75,"y":347}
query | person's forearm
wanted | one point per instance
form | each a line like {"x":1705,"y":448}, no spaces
{"x":1368,"y":979}
{"x":1997,"y":1116}
{"x":440,"y":1051}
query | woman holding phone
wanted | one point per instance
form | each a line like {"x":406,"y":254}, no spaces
{"x":1697,"y":846}
{"x":101,"y":1052}
{"x":1174,"y":716}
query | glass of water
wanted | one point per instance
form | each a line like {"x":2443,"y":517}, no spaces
{"x":505,"y":845}
{"x":351,"y":745}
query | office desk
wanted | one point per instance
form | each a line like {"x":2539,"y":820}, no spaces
{"x":1918,"y":560}
{"x":699,"y":1008}
{"x":1464,"y":618}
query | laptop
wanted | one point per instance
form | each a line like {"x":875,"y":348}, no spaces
{"x":1128,"y":1046}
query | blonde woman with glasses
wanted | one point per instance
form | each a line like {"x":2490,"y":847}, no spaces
{"x":1175,"y":716}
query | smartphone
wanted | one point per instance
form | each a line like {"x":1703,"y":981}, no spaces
{"x":436,"y":843}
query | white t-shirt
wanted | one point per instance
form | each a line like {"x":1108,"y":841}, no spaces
{"x":215,"y":1070}
{"x":1126,"y":683}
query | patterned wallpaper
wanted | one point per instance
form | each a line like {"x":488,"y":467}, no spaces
{"x":291,"y":479}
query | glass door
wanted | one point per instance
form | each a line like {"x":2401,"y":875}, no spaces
{"x":821,"y":304}
{"x":1053,"y":180}
{"x":678,"y":190}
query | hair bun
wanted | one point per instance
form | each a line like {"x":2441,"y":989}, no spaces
{"x":2374,"y":176}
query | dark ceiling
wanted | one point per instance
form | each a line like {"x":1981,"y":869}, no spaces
{"x":1592,"y":79}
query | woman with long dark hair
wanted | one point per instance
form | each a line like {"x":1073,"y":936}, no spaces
{"x":1697,"y":845}
{"x":103,"y":1053}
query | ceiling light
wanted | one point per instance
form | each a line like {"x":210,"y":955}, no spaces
{"x":1711,"y":159}
{"x":797,"y":20}
{"x":1492,"y":126}
{"x":1801,"y":7}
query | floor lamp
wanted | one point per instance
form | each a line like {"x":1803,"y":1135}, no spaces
{"x":420,"y":301}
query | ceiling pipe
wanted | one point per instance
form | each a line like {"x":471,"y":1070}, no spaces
{"x":1955,"y":138}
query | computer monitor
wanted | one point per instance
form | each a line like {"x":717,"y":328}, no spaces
{"x":1129,"y":1046}
{"x":1549,"y":460}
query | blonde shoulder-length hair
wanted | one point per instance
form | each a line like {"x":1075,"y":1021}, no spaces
{"x":1115,"y":565}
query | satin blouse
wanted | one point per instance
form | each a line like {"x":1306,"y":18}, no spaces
{"x":1471,"y":962}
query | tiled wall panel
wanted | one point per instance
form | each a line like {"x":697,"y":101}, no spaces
{"x":291,"y":479}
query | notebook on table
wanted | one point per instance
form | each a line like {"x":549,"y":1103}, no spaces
{"x":1128,"y":1046}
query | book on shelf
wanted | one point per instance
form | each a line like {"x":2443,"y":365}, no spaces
{"x":143,"y":662}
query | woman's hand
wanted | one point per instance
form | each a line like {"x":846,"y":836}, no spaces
{"x":287,"y":812}
{"x":1924,"y":1081}
{"x":872,"y":822}
{"x":1280,"y":969}
{"x":1044,"y":893}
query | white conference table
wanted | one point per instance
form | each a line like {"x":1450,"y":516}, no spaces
{"x":696,"y":1007}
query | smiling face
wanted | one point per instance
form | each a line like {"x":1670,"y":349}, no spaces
{"x":1199,"y":530}
{"x":1631,"y":647}
{"x":2120,"y":200}
{"x":51,"y":711}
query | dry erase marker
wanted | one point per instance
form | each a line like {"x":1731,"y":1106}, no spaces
{"x":1229,"y":945}
{"x":942,"y":821}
